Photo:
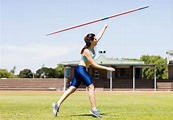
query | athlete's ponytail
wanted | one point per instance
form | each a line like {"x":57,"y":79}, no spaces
{"x":88,"y":39}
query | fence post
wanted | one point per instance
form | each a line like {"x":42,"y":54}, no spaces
{"x":133,"y":78}
{"x":110,"y":73}
{"x":155,"y":82}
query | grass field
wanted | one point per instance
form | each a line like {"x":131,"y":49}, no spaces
{"x":34,"y":105}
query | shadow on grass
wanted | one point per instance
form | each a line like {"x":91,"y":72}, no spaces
{"x":103,"y":114}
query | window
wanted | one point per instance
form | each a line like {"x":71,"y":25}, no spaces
{"x":108,"y":75}
{"x":123,"y":72}
{"x":96,"y":74}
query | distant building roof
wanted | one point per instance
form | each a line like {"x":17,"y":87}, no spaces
{"x":169,"y":52}
{"x":107,"y":61}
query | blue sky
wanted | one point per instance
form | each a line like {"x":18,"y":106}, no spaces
{"x":25,"y":23}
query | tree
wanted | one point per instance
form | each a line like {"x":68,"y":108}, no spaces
{"x":4,"y":73}
{"x":161,"y":68}
{"x":60,"y":70}
{"x":13,"y":70}
{"x":26,"y":73}
{"x":45,"y":72}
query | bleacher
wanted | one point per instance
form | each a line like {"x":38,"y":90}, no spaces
{"x":140,"y":84}
{"x":31,"y":84}
{"x":58,"y":84}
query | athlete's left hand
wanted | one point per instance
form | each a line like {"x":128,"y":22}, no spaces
{"x":110,"y":69}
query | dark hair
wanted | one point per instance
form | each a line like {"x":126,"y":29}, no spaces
{"x":88,"y":38}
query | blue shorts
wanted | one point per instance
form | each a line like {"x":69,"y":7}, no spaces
{"x":81,"y":75}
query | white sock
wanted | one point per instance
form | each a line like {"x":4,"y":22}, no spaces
{"x":94,"y":109}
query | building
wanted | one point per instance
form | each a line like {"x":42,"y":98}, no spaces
{"x":126,"y":71}
{"x":170,"y":64}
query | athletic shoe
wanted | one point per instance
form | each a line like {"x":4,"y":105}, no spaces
{"x":96,"y":113}
{"x":55,"y":109}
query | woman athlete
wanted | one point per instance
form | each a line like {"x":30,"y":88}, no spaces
{"x":81,"y":75}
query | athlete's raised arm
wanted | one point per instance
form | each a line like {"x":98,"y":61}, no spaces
{"x":100,"y":34}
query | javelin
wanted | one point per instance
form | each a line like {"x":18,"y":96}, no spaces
{"x":91,"y":22}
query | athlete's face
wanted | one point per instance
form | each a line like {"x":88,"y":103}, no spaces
{"x":94,"y":42}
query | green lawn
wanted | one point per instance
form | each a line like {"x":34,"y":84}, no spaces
{"x":119,"y":106}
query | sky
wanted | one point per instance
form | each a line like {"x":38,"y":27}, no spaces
{"x":25,"y":23}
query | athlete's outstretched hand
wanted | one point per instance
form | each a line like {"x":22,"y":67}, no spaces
{"x":106,"y":25}
{"x":110,"y":69}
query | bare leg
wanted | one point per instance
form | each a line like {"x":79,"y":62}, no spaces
{"x":92,"y":96}
{"x":65,"y":95}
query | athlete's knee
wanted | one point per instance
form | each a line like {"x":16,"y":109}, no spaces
{"x":72,"y":89}
{"x":91,"y":87}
